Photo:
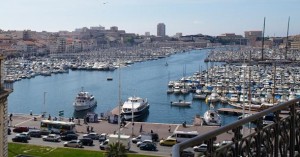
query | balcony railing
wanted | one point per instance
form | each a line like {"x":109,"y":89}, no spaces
{"x":281,"y":138}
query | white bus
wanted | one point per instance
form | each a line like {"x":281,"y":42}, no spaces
{"x":57,"y":126}
{"x":181,"y":136}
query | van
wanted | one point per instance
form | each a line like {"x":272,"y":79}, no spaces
{"x":181,"y":136}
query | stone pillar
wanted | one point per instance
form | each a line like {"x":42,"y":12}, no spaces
{"x":3,"y":111}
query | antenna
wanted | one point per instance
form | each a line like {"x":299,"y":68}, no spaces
{"x":263,"y":40}
{"x":287,"y":39}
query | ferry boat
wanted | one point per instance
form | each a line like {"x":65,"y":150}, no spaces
{"x":134,"y":107}
{"x":84,"y":100}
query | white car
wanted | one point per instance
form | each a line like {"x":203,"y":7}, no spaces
{"x":138,"y":144}
{"x":104,"y":144}
{"x":201,"y":148}
{"x":136,"y":139}
{"x":73,"y":143}
{"x":26,"y":134}
{"x":52,"y":138}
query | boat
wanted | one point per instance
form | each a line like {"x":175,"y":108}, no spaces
{"x":109,"y":78}
{"x":181,"y":103}
{"x":84,"y":100}
{"x":212,"y":118}
{"x":134,"y":107}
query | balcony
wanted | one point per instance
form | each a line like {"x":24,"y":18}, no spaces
{"x":279,"y":138}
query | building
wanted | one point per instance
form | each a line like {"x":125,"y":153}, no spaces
{"x":147,"y":34}
{"x":295,"y":44}
{"x":3,"y":112}
{"x":252,"y":37}
{"x":161,"y":30}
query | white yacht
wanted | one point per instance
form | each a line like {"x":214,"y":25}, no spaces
{"x":212,"y":118}
{"x":84,"y":100}
{"x":134,"y":107}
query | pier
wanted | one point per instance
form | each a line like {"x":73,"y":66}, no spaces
{"x":234,"y":111}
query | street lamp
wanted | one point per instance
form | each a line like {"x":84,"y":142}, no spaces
{"x":44,"y":113}
{"x":132,"y":116}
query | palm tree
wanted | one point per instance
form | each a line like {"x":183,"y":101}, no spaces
{"x":116,"y":150}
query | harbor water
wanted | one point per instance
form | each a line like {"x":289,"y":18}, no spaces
{"x":144,"y":79}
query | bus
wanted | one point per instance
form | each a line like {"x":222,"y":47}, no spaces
{"x":181,"y":136}
{"x":57,"y":126}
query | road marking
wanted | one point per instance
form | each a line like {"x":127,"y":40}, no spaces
{"x":24,"y":121}
{"x":176,"y":128}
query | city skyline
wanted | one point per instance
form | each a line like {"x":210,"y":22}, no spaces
{"x":211,"y":17}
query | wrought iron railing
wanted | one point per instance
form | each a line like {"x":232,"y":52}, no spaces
{"x":281,"y":138}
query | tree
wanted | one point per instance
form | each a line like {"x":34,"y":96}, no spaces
{"x":116,"y":150}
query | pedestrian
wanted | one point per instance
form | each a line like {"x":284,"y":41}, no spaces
{"x":151,"y":131}
{"x":169,"y":128}
{"x":31,"y":112}
{"x":141,"y":128}
{"x":10,"y":117}
{"x":88,"y":129}
{"x":92,"y":129}
{"x":78,"y":121}
{"x":69,"y":119}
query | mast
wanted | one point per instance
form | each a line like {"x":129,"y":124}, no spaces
{"x":263,"y":40}
{"x":287,"y":39}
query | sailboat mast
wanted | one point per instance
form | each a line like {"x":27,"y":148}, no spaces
{"x":287,"y":39}
{"x":263,"y":40}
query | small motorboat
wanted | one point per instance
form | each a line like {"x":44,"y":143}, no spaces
{"x":181,"y":103}
{"x":212,"y":118}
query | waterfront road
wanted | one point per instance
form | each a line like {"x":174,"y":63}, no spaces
{"x":104,"y":127}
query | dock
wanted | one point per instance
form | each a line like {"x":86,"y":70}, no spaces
{"x":235,"y":111}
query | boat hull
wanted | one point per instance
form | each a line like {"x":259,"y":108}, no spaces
{"x":84,"y":107}
{"x":136,"y":115}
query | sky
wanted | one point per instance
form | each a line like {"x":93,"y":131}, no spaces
{"x":210,"y":17}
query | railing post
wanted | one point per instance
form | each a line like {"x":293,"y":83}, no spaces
{"x":236,"y":138}
{"x":292,"y":130}
{"x":259,"y":127}
{"x":276,"y":131}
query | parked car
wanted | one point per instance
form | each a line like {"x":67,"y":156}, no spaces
{"x":136,"y":139}
{"x":86,"y":141}
{"x":45,"y":132}
{"x":104,"y":145}
{"x":187,"y":153}
{"x":143,"y":142}
{"x":91,"y":135}
{"x":102,"y":137}
{"x":20,"y":138}
{"x":35,"y":133}
{"x":26,"y":134}
{"x":73,"y":143}
{"x":52,"y":138}
{"x":200,"y":148}
{"x":20,"y":129}
{"x":68,"y":132}
{"x":69,"y":137}
{"x":168,"y":142}
{"x":148,"y":146}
